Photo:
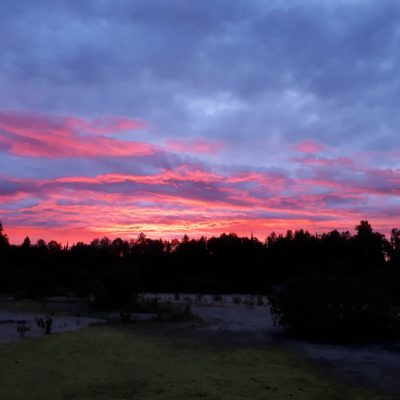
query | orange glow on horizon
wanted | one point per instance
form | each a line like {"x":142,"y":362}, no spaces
{"x":260,"y":229}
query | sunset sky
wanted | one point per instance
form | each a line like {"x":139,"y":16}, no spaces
{"x":198,"y":117}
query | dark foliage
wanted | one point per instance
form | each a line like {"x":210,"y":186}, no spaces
{"x":46,"y":324}
{"x":353,"y":294}
{"x":334,"y":283}
{"x":337,"y":307}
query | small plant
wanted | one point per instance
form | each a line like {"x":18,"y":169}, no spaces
{"x":236,"y":300}
{"x":218,"y":298}
{"x":187,"y":299}
{"x":156,"y":297}
{"x":125,"y":317}
{"x":199,"y":298}
{"x":168,"y":312}
{"x":250,"y":301}
{"x":177,"y":296}
{"x":22,"y":329}
{"x":312,"y":306}
{"x":260,"y":301}
{"x":143,"y":305}
{"x":45,"y":324}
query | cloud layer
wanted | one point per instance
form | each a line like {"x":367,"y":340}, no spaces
{"x":173,"y":117}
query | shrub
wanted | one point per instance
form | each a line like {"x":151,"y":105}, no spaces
{"x":168,"y":312}
{"x":260,"y":301}
{"x":126,"y":317}
{"x":199,"y":298}
{"x":22,"y":329}
{"x":46,"y":324}
{"x":336,"y":307}
{"x":236,"y":300}
{"x":218,"y":298}
{"x":249,"y":301}
{"x":115,"y":287}
{"x":187,"y":299}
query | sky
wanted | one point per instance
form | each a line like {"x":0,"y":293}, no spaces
{"x":193,"y":117}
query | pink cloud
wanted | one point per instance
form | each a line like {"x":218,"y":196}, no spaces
{"x":325,"y":162}
{"x":109,"y":124}
{"x":309,"y":146}
{"x":38,"y":135}
{"x":194,"y":146}
{"x":191,"y":197}
{"x":190,"y":200}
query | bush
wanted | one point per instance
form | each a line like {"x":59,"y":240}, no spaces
{"x":143,"y":305}
{"x":260,"y":301}
{"x":336,"y":307}
{"x":249,"y":301}
{"x":236,"y":300}
{"x":199,"y":298}
{"x":115,"y":287}
{"x":126,"y":317}
{"x":46,"y":324}
{"x":165,"y":311}
{"x":177,"y":296}
{"x":22,"y":329}
{"x":168,"y":312}
{"x":217,"y":298}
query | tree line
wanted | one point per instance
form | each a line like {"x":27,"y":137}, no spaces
{"x":227,"y":263}
{"x":334,"y":272}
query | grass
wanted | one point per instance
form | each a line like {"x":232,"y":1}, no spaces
{"x":114,"y":362}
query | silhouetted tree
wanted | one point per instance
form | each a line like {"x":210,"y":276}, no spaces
{"x":26,"y":244}
{"x":54,"y":247}
{"x":3,"y":238}
{"x":368,"y":248}
{"x":394,"y":249}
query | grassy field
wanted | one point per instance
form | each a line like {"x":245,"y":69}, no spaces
{"x":115,"y":362}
